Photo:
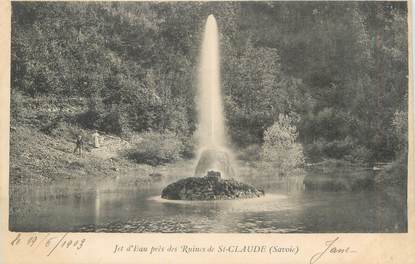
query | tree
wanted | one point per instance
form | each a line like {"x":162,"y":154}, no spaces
{"x":280,"y":148}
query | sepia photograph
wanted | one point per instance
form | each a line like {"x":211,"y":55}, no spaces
{"x":209,"y":117}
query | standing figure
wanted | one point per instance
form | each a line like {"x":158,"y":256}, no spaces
{"x":79,"y":145}
{"x":95,"y":136}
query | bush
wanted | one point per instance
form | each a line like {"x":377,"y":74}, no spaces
{"x":189,"y":146}
{"x":97,"y":116}
{"x":54,"y":128}
{"x":114,"y":122}
{"x":280,"y":150}
{"x":345,"y":149}
{"x":251,"y":152}
{"x":156,"y":148}
{"x":359,"y":154}
{"x":92,"y":118}
{"x":314,"y":151}
{"x":89,"y":119}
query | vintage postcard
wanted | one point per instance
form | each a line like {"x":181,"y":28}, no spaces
{"x":193,"y":132}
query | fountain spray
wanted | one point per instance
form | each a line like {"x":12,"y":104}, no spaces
{"x":213,"y":153}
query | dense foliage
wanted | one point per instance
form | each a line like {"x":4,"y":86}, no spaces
{"x":340,"y":67}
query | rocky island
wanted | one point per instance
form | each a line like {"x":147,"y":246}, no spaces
{"x":210,"y":187}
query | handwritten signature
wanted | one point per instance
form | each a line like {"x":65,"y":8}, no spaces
{"x":51,"y":242}
{"x":330,"y":248}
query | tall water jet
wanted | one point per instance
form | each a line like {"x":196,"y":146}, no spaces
{"x":212,"y":152}
{"x":214,"y":158}
{"x":211,"y":123}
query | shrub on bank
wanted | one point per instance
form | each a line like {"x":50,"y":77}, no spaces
{"x":280,"y":152}
{"x":251,"y":152}
{"x":342,"y":149}
{"x":156,"y":148}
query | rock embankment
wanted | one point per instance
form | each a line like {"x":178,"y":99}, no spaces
{"x":210,"y":187}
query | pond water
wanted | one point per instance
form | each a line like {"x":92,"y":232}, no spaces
{"x":286,"y":208}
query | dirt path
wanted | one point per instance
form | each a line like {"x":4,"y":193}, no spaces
{"x":110,"y":147}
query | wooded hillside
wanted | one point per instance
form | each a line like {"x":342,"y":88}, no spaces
{"x":339,"y":70}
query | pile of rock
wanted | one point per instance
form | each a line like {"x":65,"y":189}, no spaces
{"x":209,"y":187}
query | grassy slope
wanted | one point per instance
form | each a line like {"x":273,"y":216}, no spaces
{"x":41,"y":158}
{"x":37,"y":157}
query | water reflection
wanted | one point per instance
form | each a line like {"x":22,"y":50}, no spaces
{"x":116,"y":207}
{"x":97,"y":206}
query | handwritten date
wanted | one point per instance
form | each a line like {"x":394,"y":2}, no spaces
{"x":48,"y":241}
